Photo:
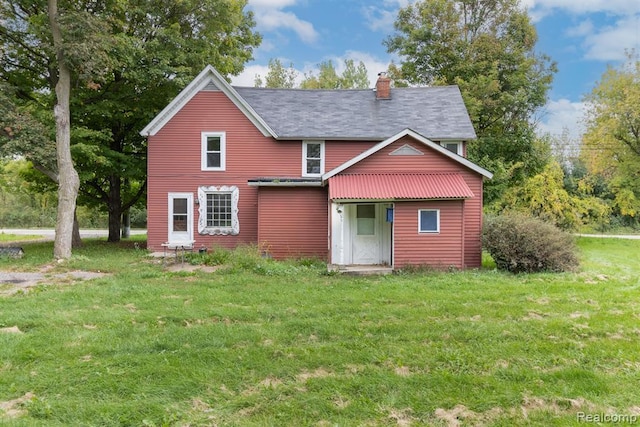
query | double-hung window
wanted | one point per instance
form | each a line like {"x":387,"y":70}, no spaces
{"x":454,"y":147}
{"x":218,"y":210}
{"x":213,"y":151}
{"x":312,"y":158}
{"x":429,"y":221}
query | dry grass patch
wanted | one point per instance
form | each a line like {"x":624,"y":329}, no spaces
{"x":15,"y":408}
{"x":318,"y":373}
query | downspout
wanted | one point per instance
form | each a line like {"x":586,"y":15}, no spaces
{"x":329,"y":228}
{"x":463,"y":236}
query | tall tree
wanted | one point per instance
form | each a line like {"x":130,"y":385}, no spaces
{"x":278,"y":76}
{"x":68,"y":182}
{"x":328,"y":77}
{"x":611,"y":144}
{"x":486,"y":47}
{"x":158,"y":47}
{"x":354,"y":77}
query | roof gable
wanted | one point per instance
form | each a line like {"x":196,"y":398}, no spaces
{"x":419,"y":138}
{"x":208,"y":79}
{"x":437,"y":112}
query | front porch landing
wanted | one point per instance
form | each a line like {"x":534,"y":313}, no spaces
{"x":360,"y":270}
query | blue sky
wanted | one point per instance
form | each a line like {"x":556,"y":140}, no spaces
{"x":582,"y":36}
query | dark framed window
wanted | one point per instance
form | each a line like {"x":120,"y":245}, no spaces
{"x":219,"y":210}
{"x":312,"y":158}
{"x":429,"y":221}
{"x":213,"y":151}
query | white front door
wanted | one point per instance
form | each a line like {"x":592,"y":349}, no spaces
{"x":366,"y":235}
{"x":180,"y":217}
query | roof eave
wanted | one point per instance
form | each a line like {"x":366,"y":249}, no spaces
{"x":396,"y":199}
{"x":364,"y":138}
{"x":285,"y":182}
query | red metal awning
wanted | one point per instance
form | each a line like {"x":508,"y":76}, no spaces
{"x":411,"y":186}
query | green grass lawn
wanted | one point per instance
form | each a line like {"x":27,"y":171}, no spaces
{"x":6,"y":237}
{"x":285,"y":344}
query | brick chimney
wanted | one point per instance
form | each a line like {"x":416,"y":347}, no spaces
{"x":383,"y":86}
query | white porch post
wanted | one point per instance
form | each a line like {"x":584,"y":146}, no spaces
{"x":338,"y":234}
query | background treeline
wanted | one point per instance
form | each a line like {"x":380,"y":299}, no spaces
{"x":485,"y":47}
{"x":24,"y":205}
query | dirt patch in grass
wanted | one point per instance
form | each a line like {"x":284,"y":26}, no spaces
{"x":318,"y":373}
{"x":14,"y":408}
{"x":461,"y":415}
{"x":13,"y":282}
{"x":177,"y":267}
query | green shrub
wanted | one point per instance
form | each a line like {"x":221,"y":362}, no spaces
{"x":521,"y":244}
{"x":218,"y":255}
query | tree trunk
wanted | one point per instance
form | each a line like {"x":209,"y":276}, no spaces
{"x":115,"y":208}
{"x":76,"y":241}
{"x":69,"y":182}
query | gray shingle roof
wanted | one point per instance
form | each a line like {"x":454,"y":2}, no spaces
{"x":436,"y":112}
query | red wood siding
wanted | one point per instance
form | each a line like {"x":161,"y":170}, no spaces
{"x":439,"y":250}
{"x":432,"y":161}
{"x":293,"y":222}
{"x":338,"y":152}
{"x":174,"y":164}
{"x":299,"y":226}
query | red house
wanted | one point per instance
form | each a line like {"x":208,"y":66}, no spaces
{"x":351,"y":176}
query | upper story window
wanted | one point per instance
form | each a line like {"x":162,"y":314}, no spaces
{"x":312,"y":158}
{"x":213,"y":151}
{"x":454,"y":147}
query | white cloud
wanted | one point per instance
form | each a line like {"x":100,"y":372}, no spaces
{"x":248,"y":75}
{"x":378,"y":19}
{"x":270,"y":17}
{"x":382,"y":17}
{"x":609,"y":43}
{"x":272,"y":4}
{"x":584,"y":28}
{"x":270,"y":20}
{"x":540,"y":8}
{"x":560,"y":115}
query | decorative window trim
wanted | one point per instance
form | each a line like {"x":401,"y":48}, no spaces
{"x":203,"y":149}
{"x":437,"y":230}
{"x":458,"y":146}
{"x":202,"y":210}
{"x":305,"y":158}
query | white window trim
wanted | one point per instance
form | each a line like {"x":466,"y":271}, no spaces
{"x":420,"y":230}
{"x":304,"y":158}
{"x":458,"y":143}
{"x":223,"y":149}
{"x":202,"y":210}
